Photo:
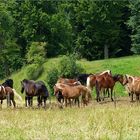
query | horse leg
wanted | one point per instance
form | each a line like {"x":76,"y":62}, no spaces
{"x":131,"y":97}
{"x":45,"y":99}
{"x":39,"y":101}
{"x":8,"y":100}
{"x":1,"y":104}
{"x":111,"y":94}
{"x":70,"y":102}
{"x":13,"y":101}
{"x":65,"y":102}
{"x":26,"y":98}
{"x":78,"y":102}
{"x":31,"y":101}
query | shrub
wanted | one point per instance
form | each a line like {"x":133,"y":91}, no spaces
{"x":34,"y":71}
{"x":51,"y":79}
{"x":68,"y":67}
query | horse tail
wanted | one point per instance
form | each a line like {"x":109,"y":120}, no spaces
{"x":17,"y":95}
{"x":88,"y":83}
{"x":97,"y":90}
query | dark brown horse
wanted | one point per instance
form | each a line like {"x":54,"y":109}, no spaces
{"x":32,"y":89}
{"x":7,"y":93}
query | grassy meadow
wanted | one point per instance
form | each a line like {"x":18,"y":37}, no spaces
{"x":103,"y":121}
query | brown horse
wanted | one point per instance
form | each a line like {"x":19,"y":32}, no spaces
{"x":91,"y":80}
{"x":107,"y":82}
{"x":7,"y":93}
{"x":73,"y":92}
{"x":70,"y":82}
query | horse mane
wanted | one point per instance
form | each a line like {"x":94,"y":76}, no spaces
{"x":8,"y":82}
{"x":107,"y":71}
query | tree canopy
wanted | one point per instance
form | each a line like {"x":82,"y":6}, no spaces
{"x":31,"y":31}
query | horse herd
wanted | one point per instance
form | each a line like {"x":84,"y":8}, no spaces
{"x":71,"y":91}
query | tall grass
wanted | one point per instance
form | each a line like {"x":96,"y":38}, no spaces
{"x":93,"y":122}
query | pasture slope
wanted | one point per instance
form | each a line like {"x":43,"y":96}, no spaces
{"x":102,"y":121}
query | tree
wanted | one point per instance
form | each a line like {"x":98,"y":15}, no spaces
{"x":9,"y":54}
{"x":134,"y":23}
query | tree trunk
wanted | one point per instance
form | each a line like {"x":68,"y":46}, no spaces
{"x":106,"y":54}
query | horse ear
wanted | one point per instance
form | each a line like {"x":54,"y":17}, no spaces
{"x":130,"y":79}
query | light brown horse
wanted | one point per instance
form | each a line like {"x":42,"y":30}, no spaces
{"x":107,"y":82}
{"x":70,"y":82}
{"x":7,"y":93}
{"x":74,"y":92}
{"x":132,"y":84}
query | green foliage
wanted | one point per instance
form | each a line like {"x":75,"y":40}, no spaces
{"x":134,"y":23}
{"x":69,"y":68}
{"x":52,"y":77}
{"x":36,"y":53}
{"x":34,"y":71}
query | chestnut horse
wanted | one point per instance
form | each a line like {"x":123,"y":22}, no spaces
{"x":107,"y":82}
{"x":70,"y":82}
{"x":7,"y":93}
{"x":73,"y":92}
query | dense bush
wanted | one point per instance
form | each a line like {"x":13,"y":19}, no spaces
{"x":68,"y":67}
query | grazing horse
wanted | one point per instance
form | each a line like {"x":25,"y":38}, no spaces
{"x":7,"y":93}
{"x":73,"y":92}
{"x":106,"y":82}
{"x":132,"y":84}
{"x":32,"y":89}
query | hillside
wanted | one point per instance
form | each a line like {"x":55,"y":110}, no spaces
{"x":124,"y":65}
{"x":104,"y":120}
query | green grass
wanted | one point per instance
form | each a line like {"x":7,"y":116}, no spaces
{"x":90,"y":123}
{"x":96,"y":121}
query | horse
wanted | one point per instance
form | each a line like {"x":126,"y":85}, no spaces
{"x":91,"y":80}
{"x":32,"y":89}
{"x":7,"y":93}
{"x":106,"y":82}
{"x":66,"y":80}
{"x":83,"y":78}
{"x":73,"y":92}
{"x":10,"y":83}
{"x":70,"y":82}
{"x":132,"y":85}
